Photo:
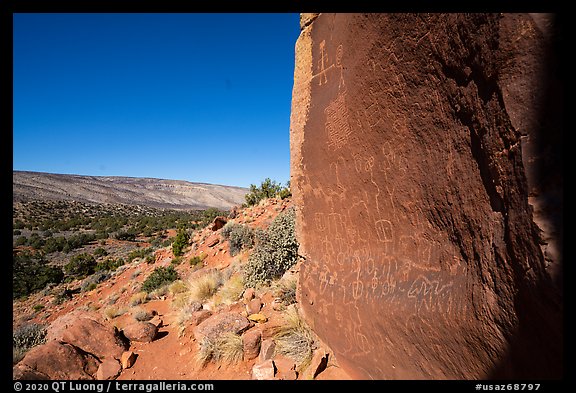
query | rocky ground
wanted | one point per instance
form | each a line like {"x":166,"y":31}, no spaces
{"x":96,"y":334}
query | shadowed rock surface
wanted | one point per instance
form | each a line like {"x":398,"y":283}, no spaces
{"x":427,"y":176}
{"x":157,"y":193}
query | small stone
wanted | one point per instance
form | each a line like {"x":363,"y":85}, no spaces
{"x":267,"y":349}
{"x":200,"y":316}
{"x":157,"y":321}
{"x":108,"y":369}
{"x":248,"y":294}
{"x":285,"y":368}
{"x":251,"y":344}
{"x":317,"y":364}
{"x":264,"y":370}
{"x":254,"y":306}
{"x":260,"y":318}
{"x":213,"y":242}
{"x":128,"y":358}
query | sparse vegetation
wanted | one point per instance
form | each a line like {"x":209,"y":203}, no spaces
{"x":31,"y":273}
{"x":26,"y":337}
{"x":203,"y":287}
{"x":159,"y":277}
{"x":239,"y":237}
{"x":227,"y":348}
{"x":138,"y":298}
{"x":267,"y":189}
{"x":276,"y":250}
{"x":180,"y":243}
{"x":230,"y":291}
{"x":80,"y":266}
{"x":139,"y":314}
{"x":294,"y":338}
{"x":113,"y":311}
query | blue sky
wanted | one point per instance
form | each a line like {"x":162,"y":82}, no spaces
{"x":197,"y":97}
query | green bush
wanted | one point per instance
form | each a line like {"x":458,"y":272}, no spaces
{"x":159,"y":277}
{"x":268,"y":189}
{"x":139,"y":253}
{"x":31,"y":273}
{"x":80,"y":266}
{"x":100,"y":252}
{"x":276,"y":250}
{"x":195,"y":260}
{"x":239,"y":236}
{"x":109,"y":264}
{"x":180,"y":243}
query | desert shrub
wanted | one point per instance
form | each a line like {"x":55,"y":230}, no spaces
{"x":17,"y":232}
{"x":80,"y":266}
{"x":180,"y":243}
{"x":26,"y":337}
{"x":54,"y":244}
{"x":100,"y":252}
{"x":109,"y":264}
{"x":195,"y":260}
{"x":294,"y":338}
{"x":92,"y":281}
{"x":285,"y":192}
{"x":159,"y":277}
{"x":150,"y":259}
{"x":138,"y":253}
{"x":21,"y":241}
{"x":276,"y":250}
{"x":177,"y":286}
{"x":239,"y":237}
{"x":38,"y":307}
{"x":30,"y":273}
{"x":176,"y":261}
{"x":268,"y":189}
{"x":126,"y":236}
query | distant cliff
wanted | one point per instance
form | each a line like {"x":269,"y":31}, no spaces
{"x":427,"y":176}
{"x":157,"y":193}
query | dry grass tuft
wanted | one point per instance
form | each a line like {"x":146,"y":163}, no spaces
{"x":294,"y":338}
{"x":205,"y":286}
{"x":112,"y":312}
{"x":227,"y":348}
{"x":139,"y":298}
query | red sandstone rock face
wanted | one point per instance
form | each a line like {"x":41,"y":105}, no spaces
{"x":411,"y":188}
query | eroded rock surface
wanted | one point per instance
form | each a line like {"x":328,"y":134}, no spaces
{"x":424,"y":258}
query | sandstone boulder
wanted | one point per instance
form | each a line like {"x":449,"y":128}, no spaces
{"x":108,"y":369}
{"x":218,"y":223}
{"x":82,"y":330}
{"x":217,"y":324}
{"x":140,"y":331}
{"x":56,"y":360}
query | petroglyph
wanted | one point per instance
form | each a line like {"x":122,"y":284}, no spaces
{"x":337,"y":126}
